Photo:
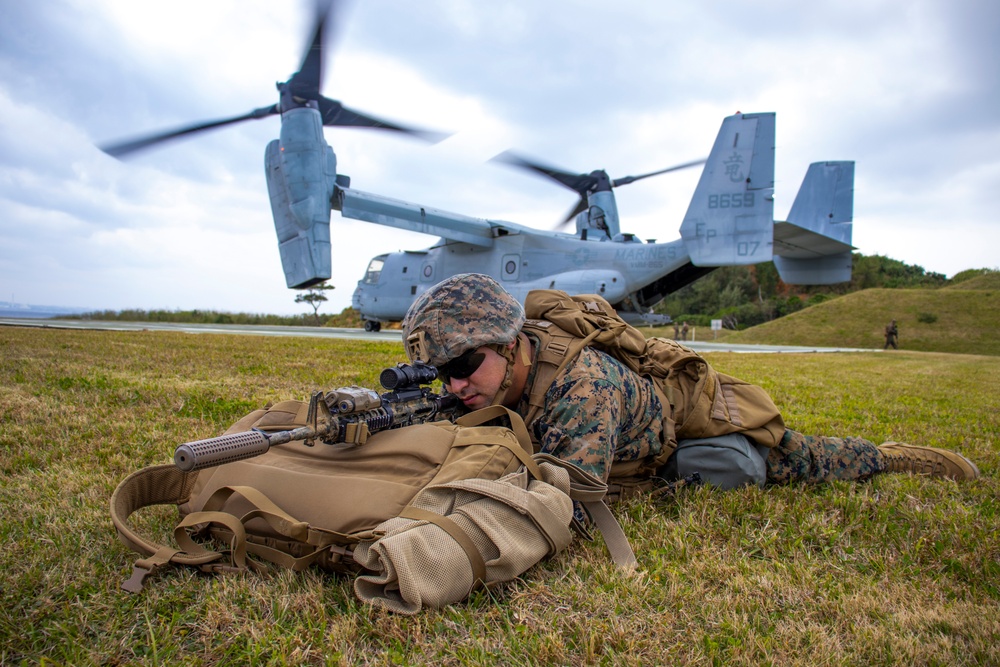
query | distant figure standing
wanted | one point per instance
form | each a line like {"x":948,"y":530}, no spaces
{"x":677,"y":331}
{"x":891,"y":335}
{"x":684,"y":331}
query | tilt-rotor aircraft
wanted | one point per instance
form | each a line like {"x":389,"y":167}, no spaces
{"x":728,"y":222}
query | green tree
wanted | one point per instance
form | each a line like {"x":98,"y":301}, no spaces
{"x":315,"y":297}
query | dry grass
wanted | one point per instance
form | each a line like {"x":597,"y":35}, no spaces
{"x":901,"y":570}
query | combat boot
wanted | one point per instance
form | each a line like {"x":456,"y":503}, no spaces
{"x":900,"y":457}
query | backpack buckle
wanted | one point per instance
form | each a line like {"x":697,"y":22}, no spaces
{"x":139,"y":574}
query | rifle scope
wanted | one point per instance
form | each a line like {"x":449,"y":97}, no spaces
{"x":402,"y":376}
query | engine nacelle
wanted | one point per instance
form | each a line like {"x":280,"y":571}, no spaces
{"x":600,"y":219}
{"x":301,"y":173}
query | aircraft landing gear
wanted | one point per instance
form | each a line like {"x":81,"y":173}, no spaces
{"x":372,"y":325}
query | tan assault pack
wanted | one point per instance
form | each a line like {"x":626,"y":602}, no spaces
{"x":703,"y":403}
{"x":422,"y":514}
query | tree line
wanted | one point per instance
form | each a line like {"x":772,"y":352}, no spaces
{"x":744,"y":296}
{"x":740,"y":296}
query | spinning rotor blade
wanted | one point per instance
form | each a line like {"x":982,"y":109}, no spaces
{"x":632,"y":179}
{"x":582,"y":184}
{"x":581,"y":206}
{"x":579,"y":183}
{"x":336,"y":114}
{"x":299,"y":91}
{"x":306,"y":82}
{"x":121,"y":149}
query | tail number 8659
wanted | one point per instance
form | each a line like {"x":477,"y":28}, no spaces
{"x":735,"y":200}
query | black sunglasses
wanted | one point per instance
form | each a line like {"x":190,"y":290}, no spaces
{"x":461,"y":366}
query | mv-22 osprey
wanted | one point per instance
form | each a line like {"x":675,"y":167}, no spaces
{"x":728,"y":222}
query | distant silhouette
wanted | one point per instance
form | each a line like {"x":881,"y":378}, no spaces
{"x":891,"y":335}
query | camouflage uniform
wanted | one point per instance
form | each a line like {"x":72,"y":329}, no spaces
{"x":596,"y":411}
{"x":815,"y":459}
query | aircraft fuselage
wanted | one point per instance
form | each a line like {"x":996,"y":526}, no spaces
{"x":521,"y":262}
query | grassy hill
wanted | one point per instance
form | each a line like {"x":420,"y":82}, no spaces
{"x":962,"y":319}
{"x":988,"y":281}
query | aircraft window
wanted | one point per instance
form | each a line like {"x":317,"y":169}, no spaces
{"x":428,"y":270}
{"x":510,"y":267}
{"x":405,"y":269}
{"x":374,"y":271}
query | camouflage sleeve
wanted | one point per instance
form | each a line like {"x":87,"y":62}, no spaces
{"x":598,"y":412}
{"x":581,"y":424}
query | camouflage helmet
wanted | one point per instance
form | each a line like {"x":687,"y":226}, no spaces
{"x":459,"y":314}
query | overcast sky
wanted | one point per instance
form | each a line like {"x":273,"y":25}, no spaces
{"x":909,"y":90}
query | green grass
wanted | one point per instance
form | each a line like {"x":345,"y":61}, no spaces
{"x":898,"y":571}
{"x":985,"y":281}
{"x":959,"y":320}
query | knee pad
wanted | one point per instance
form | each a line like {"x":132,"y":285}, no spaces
{"x":727,"y":461}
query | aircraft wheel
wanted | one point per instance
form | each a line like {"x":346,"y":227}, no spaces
{"x":368,"y":325}
{"x":376,"y":326}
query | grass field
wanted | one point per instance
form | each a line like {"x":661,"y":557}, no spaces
{"x":901,"y":570}
{"x":963,"y":320}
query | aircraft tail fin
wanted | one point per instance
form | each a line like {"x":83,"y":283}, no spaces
{"x":731,"y":216}
{"x":814,"y":246}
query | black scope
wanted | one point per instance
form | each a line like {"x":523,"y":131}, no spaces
{"x":401,"y":376}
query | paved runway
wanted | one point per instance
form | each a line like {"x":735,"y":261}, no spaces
{"x":391,"y":335}
{"x":245,"y":329}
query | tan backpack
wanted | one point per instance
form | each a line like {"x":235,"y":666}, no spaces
{"x":703,"y":402}
{"x":423,"y":514}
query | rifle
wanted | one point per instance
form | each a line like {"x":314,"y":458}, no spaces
{"x":345,"y":415}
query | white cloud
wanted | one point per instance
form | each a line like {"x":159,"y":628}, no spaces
{"x":907,"y":91}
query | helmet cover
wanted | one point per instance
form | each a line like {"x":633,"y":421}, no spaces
{"x":458,"y":314}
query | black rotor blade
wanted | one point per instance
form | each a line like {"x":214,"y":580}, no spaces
{"x":632,"y":179}
{"x":120,"y":149}
{"x":336,"y":114}
{"x":578,"y":183}
{"x":581,"y":206}
{"x":306,"y":82}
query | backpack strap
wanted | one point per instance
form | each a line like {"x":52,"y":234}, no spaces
{"x":556,"y":349}
{"x":157,"y":485}
{"x":548,"y":524}
{"x":457,"y":534}
{"x":589,"y":491}
{"x":492,"y":412}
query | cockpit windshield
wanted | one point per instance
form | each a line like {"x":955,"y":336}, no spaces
{"x":374,"y":270}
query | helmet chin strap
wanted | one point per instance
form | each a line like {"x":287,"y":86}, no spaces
{"x":521,"y":347}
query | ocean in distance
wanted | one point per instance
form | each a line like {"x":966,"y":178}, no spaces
{"x":29,"y":311}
